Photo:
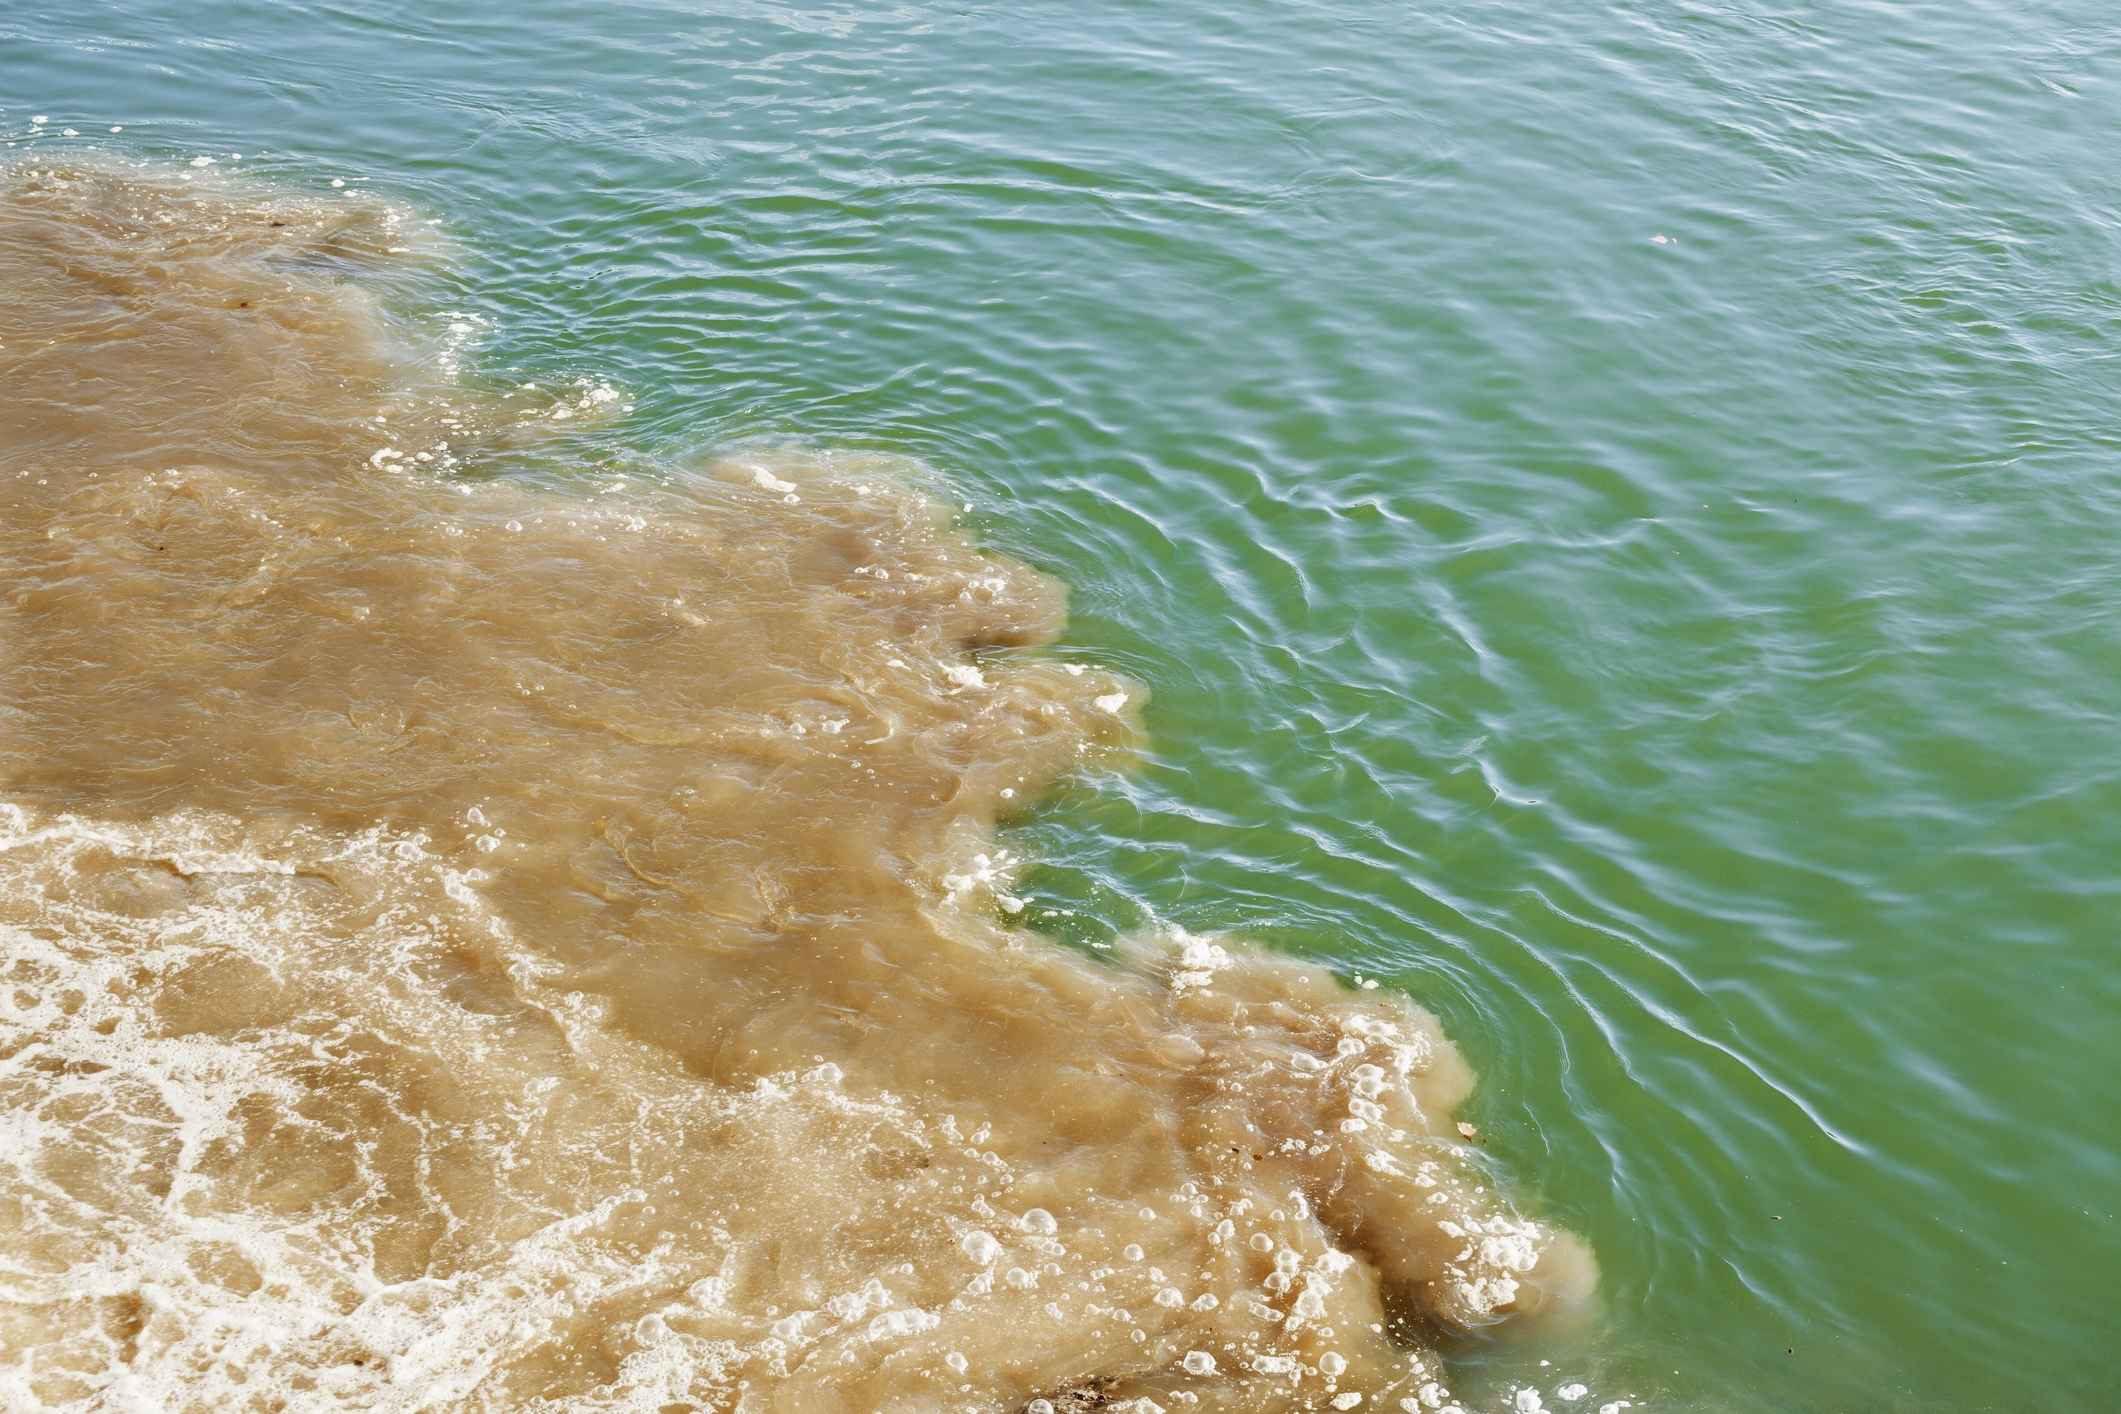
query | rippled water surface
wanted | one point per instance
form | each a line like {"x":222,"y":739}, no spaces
{"x":1612,"y":508}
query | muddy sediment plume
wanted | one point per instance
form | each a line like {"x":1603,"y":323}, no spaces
{"x":489,"y":942}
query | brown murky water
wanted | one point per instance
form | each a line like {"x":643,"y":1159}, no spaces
{"x":474,"y":944}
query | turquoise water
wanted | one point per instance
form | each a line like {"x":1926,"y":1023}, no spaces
{"x":1687,"y":665}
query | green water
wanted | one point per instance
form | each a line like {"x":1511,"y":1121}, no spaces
{"x":1689,"y":666}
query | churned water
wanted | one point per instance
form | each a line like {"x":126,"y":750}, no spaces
{"x":500,"y":944}
{"x":724,"y":706}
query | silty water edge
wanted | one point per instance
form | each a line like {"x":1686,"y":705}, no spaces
{"x":509,"y":945}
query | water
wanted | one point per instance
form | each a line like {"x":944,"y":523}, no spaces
{"x":528,"y":944}
{"x":1683,"y":666}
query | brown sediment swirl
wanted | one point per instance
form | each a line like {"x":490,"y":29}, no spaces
{"x":489,"y":940}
